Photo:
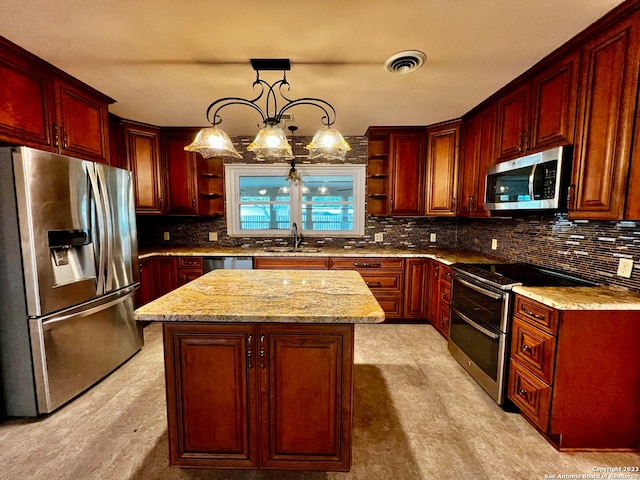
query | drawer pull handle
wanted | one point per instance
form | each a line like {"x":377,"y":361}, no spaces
{"x":526,"y":348}
{"x":250,"y":342}
{"x":522,"y":392}
{"x":534,"y":315}
{"x":261,"y":351}
{"x":367,"y":265}
{"x":373,"y":284}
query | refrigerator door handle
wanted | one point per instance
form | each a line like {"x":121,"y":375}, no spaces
{"x":108,"y":221}
{"x":102,"y":229}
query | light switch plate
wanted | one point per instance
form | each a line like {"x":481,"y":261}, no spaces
{"x":625,"y":267}
{"x":432,"y":237}
{"x":166,"y":236}
{"x":379,"y":237}
{"x":494,"y":244}
{"x":213,"y":236}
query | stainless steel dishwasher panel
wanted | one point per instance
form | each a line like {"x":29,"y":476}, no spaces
{"x":226,"y":263}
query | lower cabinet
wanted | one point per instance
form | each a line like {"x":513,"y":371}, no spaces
{"x":189,"y":268}
{"x":277,"y":396}
{"x":574,"y":374}
{"x":439,"y":296}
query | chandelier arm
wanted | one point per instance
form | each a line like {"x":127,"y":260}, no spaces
{"x":272,"y":99}
{"x":329,"y":117}
{"x":225,"y":102}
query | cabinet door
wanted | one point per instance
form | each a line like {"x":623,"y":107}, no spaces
{"x":555,"y":93}
{"x":433,"y":295}
{"x":415,"y":292}
{"x":211,"y":379}
{"x":486,"y":138}
{"x":146,"y":292}
{"x":513,"y":113}
{"x":166,"y":275}
{"x":633,"y":199}
{"x":306,"y":393}
{"x":468,"y":167}
{"x":27,"y":116}
{"x":407,"y":153}
{"x":442,"y":169}
{"x":606,"y":108}
{"x":181,"y":171}
{"x":83,"y":123}
{"x":142,"y":146}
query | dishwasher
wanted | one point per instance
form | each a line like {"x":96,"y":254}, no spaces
{"x":218,"y":263}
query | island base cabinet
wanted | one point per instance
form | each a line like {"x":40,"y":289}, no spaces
{"x":248,"y":396}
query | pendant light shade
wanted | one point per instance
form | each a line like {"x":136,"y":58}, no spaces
{"x":271,"y":143}
{"x":213,"y":142}
{"x":328,"y":144}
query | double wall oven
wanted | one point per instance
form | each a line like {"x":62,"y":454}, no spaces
{"x":481,"y":309}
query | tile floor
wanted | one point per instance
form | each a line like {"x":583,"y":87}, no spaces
{"x":418,"y":415}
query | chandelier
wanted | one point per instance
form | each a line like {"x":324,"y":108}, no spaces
{"x":271,"y":142}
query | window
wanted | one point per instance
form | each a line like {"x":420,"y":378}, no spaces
{"x":328,"y":201}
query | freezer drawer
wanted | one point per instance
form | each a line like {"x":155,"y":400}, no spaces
{"x":75,"y":349}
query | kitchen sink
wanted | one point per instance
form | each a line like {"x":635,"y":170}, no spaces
{"x":291,"y":250}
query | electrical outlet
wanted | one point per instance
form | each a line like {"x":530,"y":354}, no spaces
{"x":379,"y":237}
{"x":213,"y":236}
{"x":432,"y":237}
{"x":166,"y":236}
{"x":625,"y":267}
{"x":494,"y":244}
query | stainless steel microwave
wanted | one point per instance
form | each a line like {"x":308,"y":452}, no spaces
{"x":534,"y":182}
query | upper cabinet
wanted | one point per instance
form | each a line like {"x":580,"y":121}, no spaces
{"x":478,"y":140}
{"x":539,"y":113}
{"x":443,"y":144}
{"x":45,"y":108}
{"x":396,"y":171}
{"x":606,"y":113}
{"x":142,"y":149}
{"x":180,"y":169}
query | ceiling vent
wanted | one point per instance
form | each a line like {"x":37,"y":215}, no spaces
{"x":403,"y":62}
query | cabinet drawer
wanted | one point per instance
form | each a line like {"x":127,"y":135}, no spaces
{"x":365,"y":264}
{"x":530,"y":394}
{"x":443,"y":320}
{"x":537,"y":314}
{"x":392,"y":305}
{"x":445,"y":292}
{"x":190,"y":262}
{"x":533,"y":348}
{"x":291,"y":263}
{"x":389,"y":283}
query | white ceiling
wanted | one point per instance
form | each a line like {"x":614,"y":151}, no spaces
{"x":164,"y":61}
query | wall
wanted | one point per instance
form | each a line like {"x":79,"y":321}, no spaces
{"x":590,"y":249}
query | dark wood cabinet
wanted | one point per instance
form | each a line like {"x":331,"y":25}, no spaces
{"x":259,"y":395}
{"x":293,"y":263}
{"x":146,"y":291}
{"x":189,"y":268}
{"x":443,"y":145}
{"x":573,"y":374}
{"x":539,"y":113}
{"x":439,"y":296}
{"x":478,"y":141}
{"x":142,"y":146}
{"x":396,"y":171}
{"x":180,"y":168}
{"x":45,"y":108}
{"x":513,"y":112}
{"x":210,"y":186}
{"x":415,"y":288}
{"x":606,"y":115}
{"x":82,"y":123}
{"x":383,"y":275}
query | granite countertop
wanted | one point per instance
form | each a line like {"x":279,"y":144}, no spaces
{"x":446,"y":256}
{"x":582,"y":298}
{"x":288,"y":296}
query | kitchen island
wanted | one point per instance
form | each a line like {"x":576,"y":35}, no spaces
{"x":259,"y":367}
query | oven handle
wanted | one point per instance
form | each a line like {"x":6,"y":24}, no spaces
{"x":488,"y":333}
{"x":478,"y":289}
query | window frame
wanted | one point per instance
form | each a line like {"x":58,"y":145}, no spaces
{"x":233,"y":172}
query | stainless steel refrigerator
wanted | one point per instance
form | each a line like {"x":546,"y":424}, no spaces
{"x":68,"y":274}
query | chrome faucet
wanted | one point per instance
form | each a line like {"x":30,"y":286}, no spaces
{"x":297,"y":238}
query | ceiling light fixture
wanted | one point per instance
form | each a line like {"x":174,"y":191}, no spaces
{"x":271,"y":142}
